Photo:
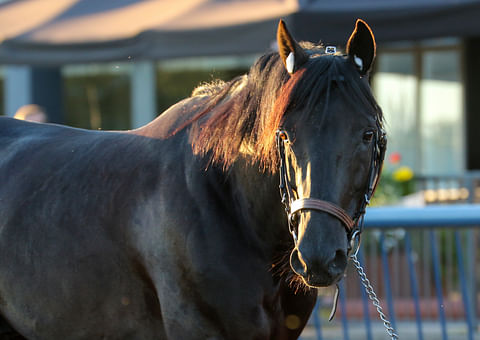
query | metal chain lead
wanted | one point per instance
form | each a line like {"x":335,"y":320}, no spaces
{"x":373,"y":297}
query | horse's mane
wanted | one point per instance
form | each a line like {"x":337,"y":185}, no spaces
{"x":242,"y":115}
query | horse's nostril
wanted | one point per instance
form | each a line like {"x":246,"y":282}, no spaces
{"x":313,"y":265}
{"x":338,"y":264}
{"x":297,"y":264}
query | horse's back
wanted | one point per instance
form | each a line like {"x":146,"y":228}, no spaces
{"x":37,"y":159}
{"x":64,"y":260}
{"x":21,"y":142}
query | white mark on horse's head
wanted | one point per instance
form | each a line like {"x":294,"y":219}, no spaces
{"x":290,"y":62}
{"x":359,"y":62}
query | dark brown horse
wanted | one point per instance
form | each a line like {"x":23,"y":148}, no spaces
{"x":177,"y":230}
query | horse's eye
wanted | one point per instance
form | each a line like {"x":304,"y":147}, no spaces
{"x":368,"y":136}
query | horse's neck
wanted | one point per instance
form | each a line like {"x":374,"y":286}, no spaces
{"x":184,"y":112}
{"x":261,"y":207}
{"x":258,"y":192}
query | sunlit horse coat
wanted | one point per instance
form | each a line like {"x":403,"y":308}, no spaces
{"x":176,"y":230}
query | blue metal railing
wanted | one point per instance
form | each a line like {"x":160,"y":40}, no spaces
{"x":432,"y":216}
{"x":438,"y":224}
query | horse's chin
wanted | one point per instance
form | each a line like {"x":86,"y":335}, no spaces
{"x":313,"y":281}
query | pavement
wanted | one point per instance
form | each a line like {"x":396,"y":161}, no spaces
{"x":406,"y":330}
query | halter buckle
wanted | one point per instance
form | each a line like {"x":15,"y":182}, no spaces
{"x":355,"y":243}
{"x":292,"y":226}
{"x":367,"y":198}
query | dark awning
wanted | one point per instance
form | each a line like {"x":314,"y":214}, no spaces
{"x":391,"y":20}
{"x":74,"y":31}
{"x":69,"y":31}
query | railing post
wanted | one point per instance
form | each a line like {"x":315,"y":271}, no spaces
{"x":365,"y":302}
{"x":316,"y":320}
{"x":386,"y":279}
{"x":414,"y":285}
{"x":438,"y":283}
{"x":343,"y":309}
{"x":471,"y":274}
{"x":471,"y":255}
{"x":465,"y":296}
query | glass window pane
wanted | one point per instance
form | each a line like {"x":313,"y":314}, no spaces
{"x":176,"y":79}
{"x":441,"y":107}
{"x":395,"y":88}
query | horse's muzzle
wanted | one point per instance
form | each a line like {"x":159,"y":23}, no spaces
{"x":316,"y":271}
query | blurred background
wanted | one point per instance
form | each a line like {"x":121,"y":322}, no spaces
{"x":103,"y":64}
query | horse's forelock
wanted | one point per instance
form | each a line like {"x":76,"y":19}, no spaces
{"x":324,"y":73}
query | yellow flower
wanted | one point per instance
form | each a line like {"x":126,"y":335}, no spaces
{"x":403,"y":174}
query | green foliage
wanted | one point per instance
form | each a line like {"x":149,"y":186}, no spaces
{"x":98,"y":101}
{"x":393,"y":185}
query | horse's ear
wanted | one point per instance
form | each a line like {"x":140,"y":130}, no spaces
{"x":292,"y":54}
{"x":361,"y":47}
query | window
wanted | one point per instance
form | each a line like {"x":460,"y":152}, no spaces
{"x":395,"y":87}
{"x":441,"y":108}
{"x":97,"y":96}
{"x":421,"y":93}
{"x":176,"y":79}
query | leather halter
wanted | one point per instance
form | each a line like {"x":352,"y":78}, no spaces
{"x":293,"y":206}
{"x":325,"y":206}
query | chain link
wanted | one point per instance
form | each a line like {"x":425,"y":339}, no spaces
{"x":373,"y":297}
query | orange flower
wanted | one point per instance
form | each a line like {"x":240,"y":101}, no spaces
{"x":395,"y":158}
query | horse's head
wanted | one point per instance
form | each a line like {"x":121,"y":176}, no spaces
{"x":329,"y":141}
{"x":331,"y":148}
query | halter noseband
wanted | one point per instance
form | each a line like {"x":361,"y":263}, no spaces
{"x":293,"y":206}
